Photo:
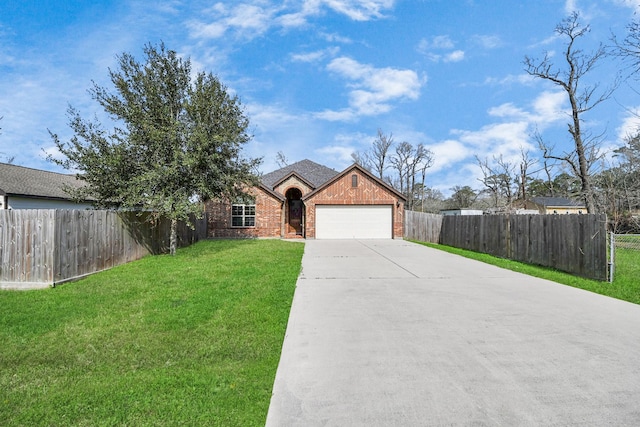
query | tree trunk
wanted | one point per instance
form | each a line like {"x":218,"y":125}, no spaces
{"x":583,"y":164}
{"x":173,"y":236}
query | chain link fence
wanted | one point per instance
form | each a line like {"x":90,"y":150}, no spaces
{"x":624,"y":249}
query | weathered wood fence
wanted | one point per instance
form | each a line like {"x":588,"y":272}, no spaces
{"x":42,"y":247}
{"x":422,"y":226}
{"x":573,"y":243}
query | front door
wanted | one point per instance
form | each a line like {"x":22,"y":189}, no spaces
{"x":295,"y":212}
{"x":295,"y":216}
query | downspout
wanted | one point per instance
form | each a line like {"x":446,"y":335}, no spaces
{"x":282,"y":219}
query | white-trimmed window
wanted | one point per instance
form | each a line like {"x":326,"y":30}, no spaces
{"x":243,"y":215}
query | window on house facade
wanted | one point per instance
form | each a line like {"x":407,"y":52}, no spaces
{"x":354,"y":180}
{"x":243,"y":215}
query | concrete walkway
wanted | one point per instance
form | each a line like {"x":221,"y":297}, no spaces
{"x":390,"y":333}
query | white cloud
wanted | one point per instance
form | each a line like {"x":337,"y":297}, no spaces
{"x":523,"y":79}
{"x":509,"y":110}
{"x":245,"y":19}
{"x":339,"y":153}
{"x":630,"y":124}
{"x":436,"y":42}
{"x":253,"y":18}
{"x":372,"y":88}
{"x":345,"y":115}
{"x":315,"y":56}
{"x":440,"y":48}
{"x":359,"y":10}
{"x":446,"y":153}
{"x":547,"y":108}
{"x":550,"y":107}
{"x":631,"y":4}
{"x":511,"y":133}
{"x":571,"y":6}
{"x":335,"y":38}
{"x":487,"y":42}
{"x":276,"y":128}
{"x":496,"y":138}
{"x":455,"y":56}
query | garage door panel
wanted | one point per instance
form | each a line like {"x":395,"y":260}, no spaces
{"x":354,"y":221}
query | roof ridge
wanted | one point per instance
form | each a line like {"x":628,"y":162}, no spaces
{"x":311,"y":171}
{"x":35,"y":170}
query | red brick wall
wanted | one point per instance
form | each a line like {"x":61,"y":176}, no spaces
{"x":368,"y":192}
{"x":268,"y":218}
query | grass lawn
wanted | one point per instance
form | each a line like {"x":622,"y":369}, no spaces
{"x":193,"y":339}
{"x":626,"y":285}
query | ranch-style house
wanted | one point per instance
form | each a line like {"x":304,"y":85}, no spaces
{"x":309,"y":200}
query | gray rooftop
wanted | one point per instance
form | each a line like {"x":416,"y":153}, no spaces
{"x":314,"y":173}
{"x":22,"y":181}
{"x":556,"y":201}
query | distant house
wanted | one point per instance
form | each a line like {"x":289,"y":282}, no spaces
{"x":555,"y":205}
{"x":309,"y":200}
{"x":454,"y":212}
{"x":26,"y":188}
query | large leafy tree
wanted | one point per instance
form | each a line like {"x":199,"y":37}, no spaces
{"x":177,"y":140}
{"x":462,"y":197}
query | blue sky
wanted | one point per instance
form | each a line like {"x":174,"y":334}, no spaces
{"x":319,"y":77}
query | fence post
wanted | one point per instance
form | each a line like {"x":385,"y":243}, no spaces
{"x":612,"y":252}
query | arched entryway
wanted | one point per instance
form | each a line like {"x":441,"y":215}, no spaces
{"x":294,"y":211}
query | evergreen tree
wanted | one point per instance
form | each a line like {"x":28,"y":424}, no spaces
{"x":177,"y":140}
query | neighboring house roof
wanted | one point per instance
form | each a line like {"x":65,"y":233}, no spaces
{"x":22,"y":181}
{"x":556,"y":202}
{"x":313,"y":173}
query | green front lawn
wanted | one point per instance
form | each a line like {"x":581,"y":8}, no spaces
{"x":193,"y":339}
{"x":626,"y":285}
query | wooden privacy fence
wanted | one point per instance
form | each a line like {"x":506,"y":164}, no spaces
{"x":422,"y":226}
{"x":42,"y":247}
{"x":576,"y":244}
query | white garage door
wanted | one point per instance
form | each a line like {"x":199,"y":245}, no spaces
{"x":354,"y":222}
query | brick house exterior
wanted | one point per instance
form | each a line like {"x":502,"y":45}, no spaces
{"x":285,"y":203}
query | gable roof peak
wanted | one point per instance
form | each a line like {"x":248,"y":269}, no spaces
{"x":313,"y":173}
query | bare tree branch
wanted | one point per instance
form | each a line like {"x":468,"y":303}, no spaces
{"x":577,"y":64}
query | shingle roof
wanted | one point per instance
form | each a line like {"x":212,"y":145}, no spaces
{"x":311,"y":172}
{"x":555,"y":201}
{"x":19,"y":180}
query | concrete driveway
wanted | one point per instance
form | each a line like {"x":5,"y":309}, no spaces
{"x":390,"y":333}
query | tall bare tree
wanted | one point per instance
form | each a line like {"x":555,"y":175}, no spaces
{"x":362,"y":158}
{"x":380,"y":152}
{"x":281,"y":159}
{"x":619,"y":186}
{"x":408,"y":163}
{"x":582,"y":98}
{"x":526,"y":162}
{"x":629,"y":48}
{"x":400,"y":161}
{"x":498,"y":178}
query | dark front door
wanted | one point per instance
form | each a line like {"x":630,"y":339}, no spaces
{"x":295,"y":212}
{"x":295,"y":215}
